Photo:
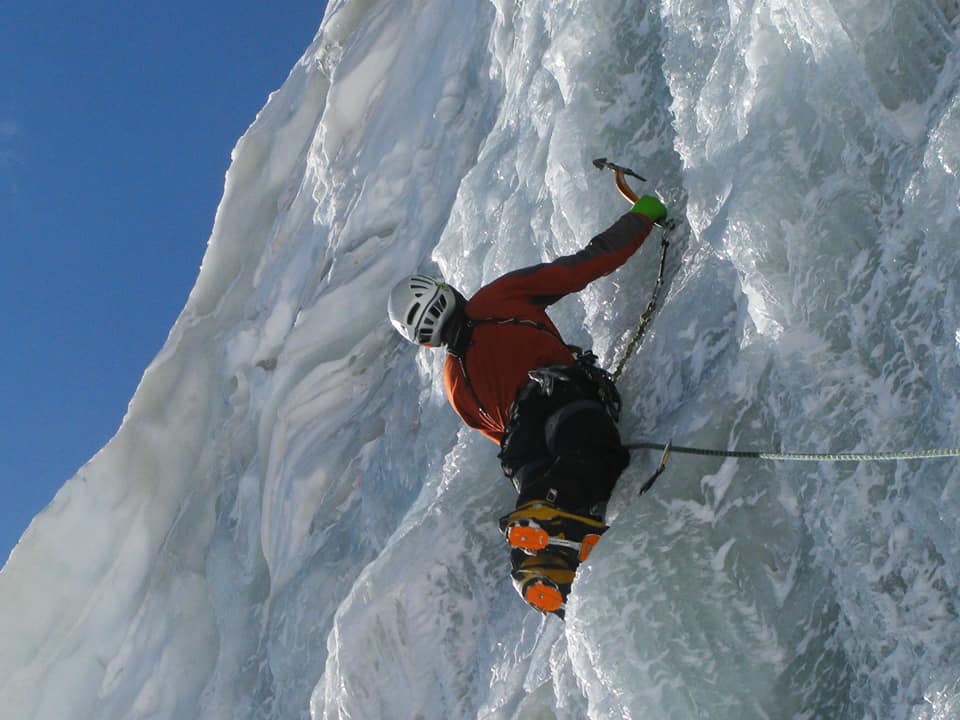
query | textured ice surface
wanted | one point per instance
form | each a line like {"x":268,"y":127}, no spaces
{"x":290,"y":523}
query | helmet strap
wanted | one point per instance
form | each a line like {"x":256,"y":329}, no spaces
{"x":458,"y":330}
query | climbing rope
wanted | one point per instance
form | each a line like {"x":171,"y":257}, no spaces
{"x":803,"y":457}
{"x":669,"y":448}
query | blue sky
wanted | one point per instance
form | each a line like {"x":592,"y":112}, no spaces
{"x":116,"y":125}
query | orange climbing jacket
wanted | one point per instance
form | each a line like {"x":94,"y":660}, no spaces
{"x":511,"y":334}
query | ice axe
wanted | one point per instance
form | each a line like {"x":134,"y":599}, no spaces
{"x":620,"y":172}
{"x":624,"y":187}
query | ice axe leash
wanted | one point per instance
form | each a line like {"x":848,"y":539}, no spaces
{"x":647,"y":314}
{"x":668,"y":225}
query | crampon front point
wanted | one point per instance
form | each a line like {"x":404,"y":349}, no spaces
{"x":543,"y":595}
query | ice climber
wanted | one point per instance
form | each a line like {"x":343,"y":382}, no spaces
{"x":552,"y":411}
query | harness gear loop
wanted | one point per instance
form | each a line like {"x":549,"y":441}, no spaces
{"x":545,"y":377}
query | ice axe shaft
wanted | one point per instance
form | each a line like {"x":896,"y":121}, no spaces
{"x":620,"y":172}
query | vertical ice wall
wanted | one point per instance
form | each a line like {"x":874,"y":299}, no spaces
{"x":290,"y":523}
{"x":252,"y":479}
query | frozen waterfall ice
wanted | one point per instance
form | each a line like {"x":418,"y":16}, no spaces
{"x":290,"y":524}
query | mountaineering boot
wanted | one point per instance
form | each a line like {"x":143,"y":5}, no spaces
{"x":538,"y":525}
{"x":543,"y":581}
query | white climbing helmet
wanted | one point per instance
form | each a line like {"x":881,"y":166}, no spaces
{"x":418,"y":308}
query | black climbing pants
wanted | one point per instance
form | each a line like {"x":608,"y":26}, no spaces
{"x":563,"y":446}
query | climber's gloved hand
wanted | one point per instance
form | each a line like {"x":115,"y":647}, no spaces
{"x":651,"y":207}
